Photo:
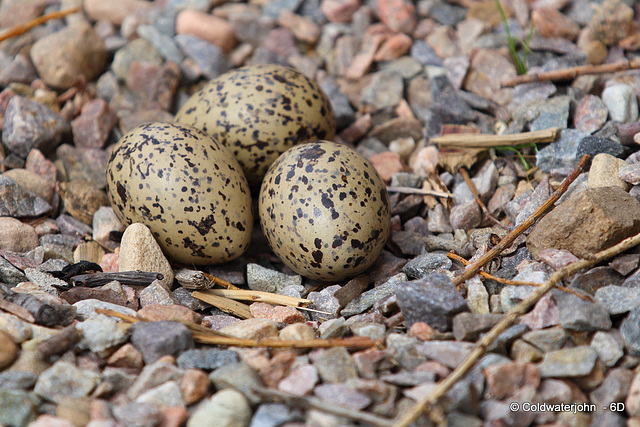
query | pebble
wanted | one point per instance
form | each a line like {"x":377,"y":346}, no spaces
{"x":613,"y":389}
{"x":367,"y":299}
{"x":253,"y":329}
{"x":140,"y":251}
{"x":94,"y":124}
{"x":426,"y":264}
{"x":333,"y":328}
{"x":226,"y":408}
{"x":621,"y":102}
{"x":208,"y":58}
{"x":138,"y":414}
{"x":17,"y":236}
{"x":167,"y":394}
{"x":127,"y":356}
{"x":339,"y":11}
{"x":238,"y":376}
{"x":594,"y":145}
{"x":274,"y":415}
{"x":469,"y":326}
{"x":17,"y":407}
{"x":116,"y":11}
{"x":86,"y":308}
{"x":342,"y":395}
{"x":153,"y":375}
{"x":582,"y":233}
{"x":432,"y":299}
{"x":578,"y":314}
{"x":449,"y":353}
{"x":101,"y":332}
{"x":335,"y":365}
{"x":562,"y":153}
{"x":137,"y":50}
{"x":8,"y":350}
{"x":566,"y":363}
{"x":156,"y":293}
{"x":277,"y":313}
{"x":156,"y":339}
{"x":206,"y":359}
{"x":207,"y":27}
{"x":31,"y":125}
{"x":66,"y":57}
{"x":591,"y":114}
{"x":618,"y":299}
{"x":465,"y":216}
{"x":264,"y":279}
{"x":300,"y":381}
{"x":64,"y":379}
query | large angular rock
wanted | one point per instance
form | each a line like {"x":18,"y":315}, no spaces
{"x":591,"y":221}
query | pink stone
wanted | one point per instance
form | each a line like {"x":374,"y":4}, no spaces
{"x":194,"y":386}
{"x":37,"y":163}
{"x":387,"y":163}
{"x":92,"y":127}
{"x":544,"y":314}
{"x":357,"y":129}
{"x":278,"y":367}
{"x":399,"y":15}
{"x":394,"y":47}
{"x":551,"y":23}
{"x":300,"y":381}
{"x":488,"y":69}
{"x":505,"y":379}
{"x":47,"y":420}
{"x":367,"y":361}
{"x":421,"y":330}
{"x":557,"y":258}
{"x":113,"y":11}
{"x":211,"y":28}
{"x":109,"y":262}
{"x":277,"y":313}
{"x":363,"y":60}
{"x":303,"y":29}
{"x":339,"y":11}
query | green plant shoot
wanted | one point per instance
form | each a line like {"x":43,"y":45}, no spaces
{"x":520,"y":63}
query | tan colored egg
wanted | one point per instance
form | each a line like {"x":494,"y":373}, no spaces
{"x":186,"y":187}
{"x":258,"y":112}
{"x":324,"y":211}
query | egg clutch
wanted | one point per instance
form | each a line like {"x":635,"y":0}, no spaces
{"x":322,"y":206}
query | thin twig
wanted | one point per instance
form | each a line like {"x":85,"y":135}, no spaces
{"x":220,"y":282}
{"x":483,"y":140}
{"x":481,"y":347}
{"x":315,"y":403}
{"x":476,"y":195}
{"x":572,"y":73}
{"x":516,"y":282}
{"x":23,"y":28}
{"x":259,"y":296}
{"x":419,"y":191}
{"x":473,"y":268}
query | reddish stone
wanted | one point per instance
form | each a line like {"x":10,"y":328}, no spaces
{"x":339,"y":11}
{"x":421,"y":330}
{"x":399,"y":15}
{"x":277,"y":313}
{"x":394,"y":47}
{"x":551,"y":23}
{"x":208,"y":27}
{"x":387,"y":163}
{"x":93,"y":126}
{"x":158,"y":312}
{"x":279,"y":367}
{"x":505,"y":379}
{"x":126,"y":356}
{"x":194,"y":386}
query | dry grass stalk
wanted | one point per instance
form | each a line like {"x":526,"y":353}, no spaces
{"x":472,"y":269}
{"x":481,"y":347}
{"x":573,"y":72}
{"x":483,"y":140}
{"x":315,"y":403}
{"x":23,"y":28}
{"x":419,"y":191}
{"x":488,"y":276}
{"x":218,"y":281}
{"x":259,"y":296}
{"x":225,"y":304}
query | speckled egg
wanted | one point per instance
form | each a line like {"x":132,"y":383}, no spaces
{"x":186,"y":187}
{"x":258,"y":112}
{"x":324,"y":211}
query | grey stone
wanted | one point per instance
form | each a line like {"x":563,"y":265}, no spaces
{"x":86,"y":308}
{"x":335,"y":365}
{"x":28,"y":124}
{"x":209,"y":58}
{"x":153,"y":375}
{"x":17,"y":407}
{"x":630,"y":173}
{"x":562,"y":153}
{"x":573,"y":362}
{"x":596,"y":278}
{"x":621,"y":102}
{"x":156,"y":339}
{"x":385,"y":90}
{"x":630,"y":331}
{"x":433,"y":299}
{"x":613,"y":389}
{"x":325,"y":301}
{"x":119,"y":380}
{"x":100,"y":333}
{"x":465,"y":216}
{"x":207,"y":359}
{"x":239,"y":376}
{"x":423,"y":53}
{"x":342,"y":395}
{"x":18,"y":203}
{"x":264,"y":279}
{"x":609,"y":346}
{"x":367,"y":299}
{"x":342,"y":109}
{"x":449,"y":353}
{"x":333,"y":328}
{"x":65,"y":380}
{"x":425,"y":264}
{"x":593,"y":145}
{"x":166,"y":394}
{"x":138,"y":414}
{"x":581,"y":315}
{"x":547,"y":340}
{"x":273,"y":8}
{"x":10,"y":274}
{"x":618,"y":299}
{"x":226,"y":408}
{"x":274,"y":415}
{"x":403,"y":349}
{"x":136,"y":50}
{"x":17,"y":380}
{"x":485,"y":182}
{"x":468,"y":326}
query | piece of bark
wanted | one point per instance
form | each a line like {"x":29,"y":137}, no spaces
{"x":192,"y":279}
{"x":131,"y":278}
{"x":59,"y":343}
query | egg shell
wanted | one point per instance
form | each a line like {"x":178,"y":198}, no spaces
{"x":258,"y":112}
{"x":324,"y":211}
{"x":186,"y":187}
